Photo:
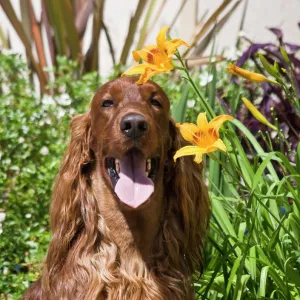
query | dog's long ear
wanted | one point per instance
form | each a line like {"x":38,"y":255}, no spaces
{"x":191,"y":201}
{"x":71,"y":190}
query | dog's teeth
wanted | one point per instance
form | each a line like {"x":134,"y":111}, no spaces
{"x":148,"y":166}
{"x":117,"y":162}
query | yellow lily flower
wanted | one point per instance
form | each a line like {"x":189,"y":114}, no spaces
{"x":256,"y":114}
{"x":255,"y":77}
{"x":204,"y":136}
{"x":157,"y":58}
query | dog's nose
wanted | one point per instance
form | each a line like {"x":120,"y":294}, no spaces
{"x":134,"y":125}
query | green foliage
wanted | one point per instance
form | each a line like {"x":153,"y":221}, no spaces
{"x":34,"y":132}
{"x":253,"y":249}
{"x":254,"y":246}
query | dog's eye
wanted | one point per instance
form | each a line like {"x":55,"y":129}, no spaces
{"x":107,"y":103}
{"x":156,"y":103}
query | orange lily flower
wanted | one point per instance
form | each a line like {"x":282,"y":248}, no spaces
{"x":157,"y":58}
{"x":204,"y":136}
{"x":255,"y":77}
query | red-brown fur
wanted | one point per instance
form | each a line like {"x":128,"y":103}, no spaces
{"x":102,"y":249}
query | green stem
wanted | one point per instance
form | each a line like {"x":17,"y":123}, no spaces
{"x":204,"y":103}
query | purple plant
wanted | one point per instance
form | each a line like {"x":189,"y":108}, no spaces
{"x":275,"y":102}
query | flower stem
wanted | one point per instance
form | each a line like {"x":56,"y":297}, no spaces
{"x":204,"y":103}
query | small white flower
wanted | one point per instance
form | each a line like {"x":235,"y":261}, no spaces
{"x":72,"y":111}
{"x":21,"y":140}
{"x":191,"y":103}
{"x":241,"y":33}
{"x":274,"y":134}
{"x":60,"y":112}
{"x":28,"y":216}
{"x":205,"y":78}
{"x":7,"y":51}
{"x":5,"y":271}
{"x":2,"y":216}
{"x":63,"y":99}
{"x":48,"y":100}
{"x":44,"y":150}
{"x":48,"y":121}
{"x":25,"y":128}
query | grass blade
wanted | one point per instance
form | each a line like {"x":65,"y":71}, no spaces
{"x":263,"y":281}
{"x":183,"y":3}
{"x":92,"y":55}
{"x":208,"y":24}
{"x":36,"y":33}
{"x":83,"y":10}
{"x":72,"y":34}
{"x":132,"y":29}
{"x":55,"y":18}
{"x":178,"y":111}
{"x":144,"y":30}
{"x":10,"y":13}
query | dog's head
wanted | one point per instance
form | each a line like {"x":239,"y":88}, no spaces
{"x":130,"y":137}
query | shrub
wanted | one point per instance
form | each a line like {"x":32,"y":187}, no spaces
{"x":34,"y":132}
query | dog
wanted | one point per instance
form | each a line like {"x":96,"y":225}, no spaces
{"x":127,"y":221}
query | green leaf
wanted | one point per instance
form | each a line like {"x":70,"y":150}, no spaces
{"x":268,"y":67}
{"x":298,"y":159}
{"x":55,"y":16}
{"x":178,"y":110}
{"x":69,"y":23}
{"x":232,"y":275}
{"x":252,"y":263}
{"x":285,"y":56}
{"x":238,"y":293}
{"x":258,"y":175}
{"x":263,"y":281}
{"x":293,"y":274}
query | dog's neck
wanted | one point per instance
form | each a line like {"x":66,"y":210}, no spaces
{"x":132,"y":230}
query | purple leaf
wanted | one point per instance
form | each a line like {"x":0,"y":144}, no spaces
{"x":292,"y":47}
{"x":250,"y":52}
{"x":277,"y":32}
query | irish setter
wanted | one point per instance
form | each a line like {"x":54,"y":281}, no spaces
{"x":128,"y":223}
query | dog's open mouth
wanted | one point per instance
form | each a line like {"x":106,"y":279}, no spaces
{"x":132,"y":177}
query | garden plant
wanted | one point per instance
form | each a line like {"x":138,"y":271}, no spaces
{"x":253,"y":243}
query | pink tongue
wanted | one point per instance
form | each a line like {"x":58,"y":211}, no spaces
{"x":134,"y":187}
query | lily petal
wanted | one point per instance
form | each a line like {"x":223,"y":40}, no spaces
{"x":217,"y":145}
{"x":149,"y":72}
{"x":202,"y":121}
{"x":217,"y":122}
{"x":152,"y":55}
{"x":198,"y":158}
{"x":187,"y":131}
{"x":257,"y":115}
{"x":162,"y":37}
{"x":188,"y":150}
{"x":138,"y":69}
{"x":255,"y":77}
{"x":172,"y":45}
{"x":142,"y":54}
{"x":168,"y":65}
